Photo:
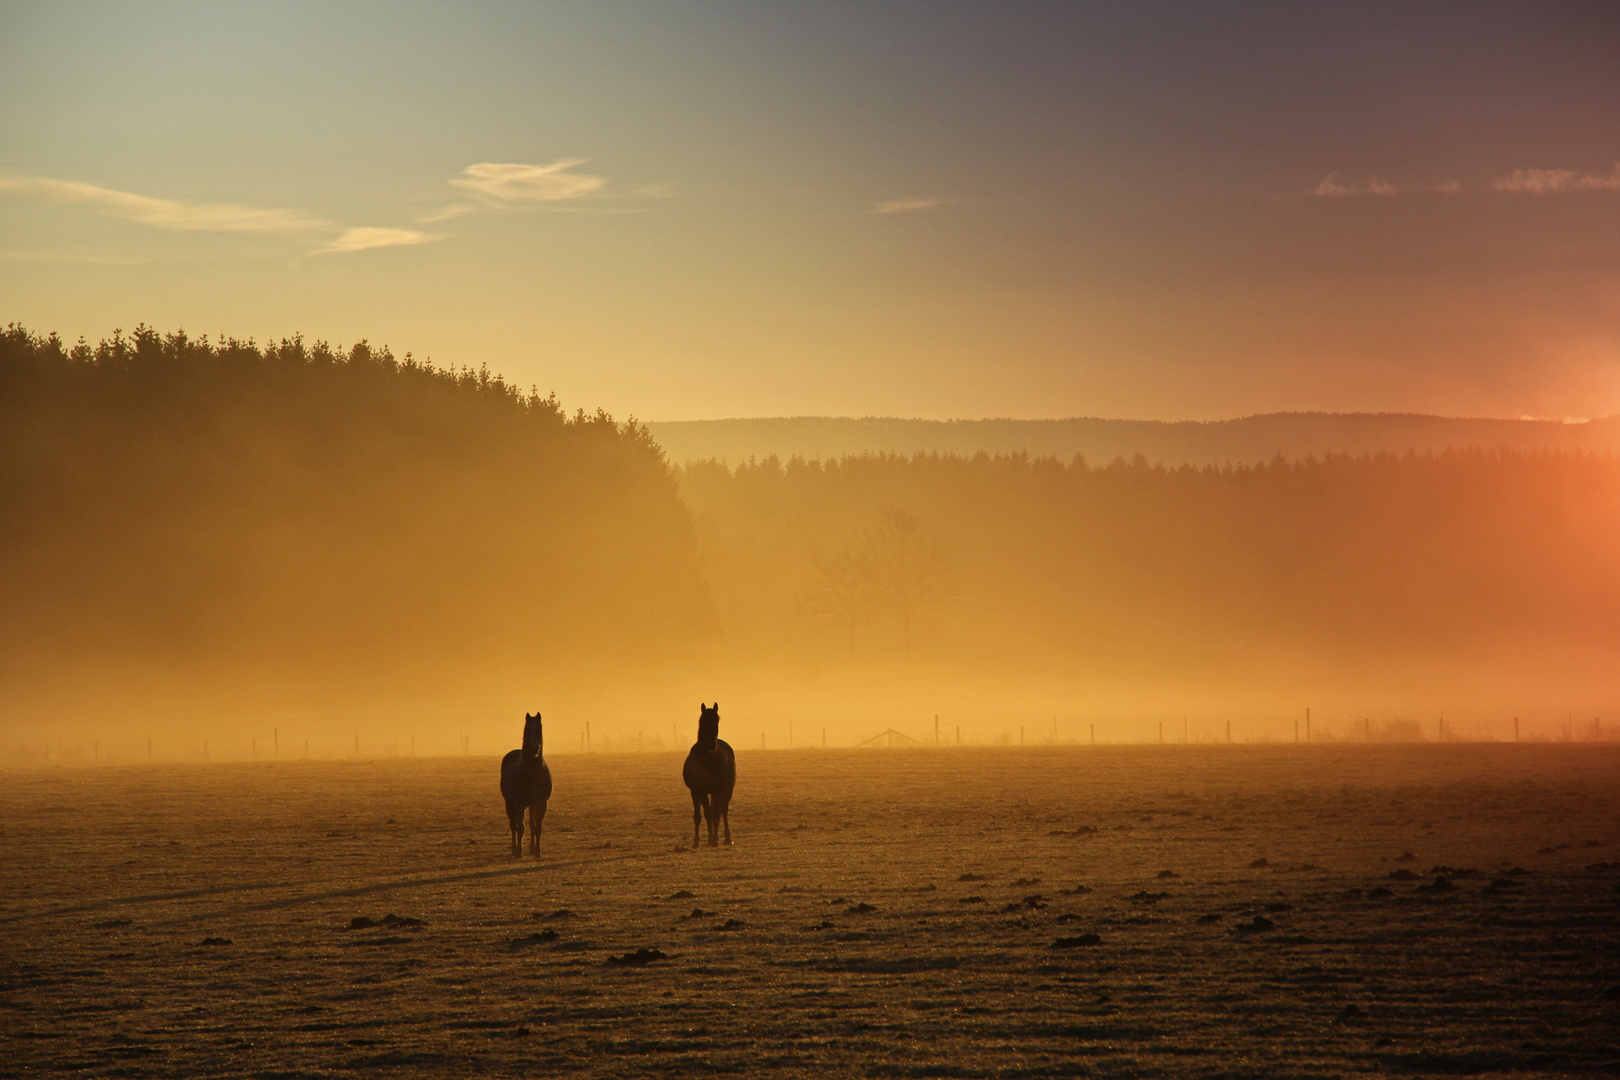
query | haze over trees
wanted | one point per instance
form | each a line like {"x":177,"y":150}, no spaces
{"x":896,"y":566}
{"x":1248,"y":440}
{"x":235,"y":520}
{"x":314,"y":516}
{"x":1416,"y":562}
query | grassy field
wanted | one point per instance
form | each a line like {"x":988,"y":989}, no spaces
{"x":1419,"y":909}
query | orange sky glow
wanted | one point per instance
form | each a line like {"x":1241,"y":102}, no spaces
{"x":702,"y":210}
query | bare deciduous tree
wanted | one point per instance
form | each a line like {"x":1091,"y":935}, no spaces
{"x":840,"y":589}
{"x":909,"y":568}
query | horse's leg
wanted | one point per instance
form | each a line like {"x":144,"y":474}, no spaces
{"x":537,"y":811}
{"x":515,"y":820}
{"x":725,"y":817}
{"x":697,"y":814}
{"x":714,"y":819}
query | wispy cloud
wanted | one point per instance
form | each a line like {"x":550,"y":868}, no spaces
{"x":173,"y":214}
{"x":454,"y":210}
{"x":181,"y":215}
{"x":1555,"y":181}
{"x":365,"y":238}
{"x":512,"y":183}
{"x":1332,"y":187}
{"x":908,"y":206}
{"x":496,"y":185}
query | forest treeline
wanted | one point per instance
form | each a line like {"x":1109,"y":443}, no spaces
{"x":1245,"y":440}
{"x":349,"y":514}
{"x":1460,"y":556}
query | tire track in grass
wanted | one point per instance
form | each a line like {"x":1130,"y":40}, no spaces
{"x":330,"y":894}
{"x":406,"y":883}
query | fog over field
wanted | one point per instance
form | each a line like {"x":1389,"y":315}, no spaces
{"x":227,"y":551}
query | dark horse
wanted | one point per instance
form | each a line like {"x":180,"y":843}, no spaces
{"x":711,"y":773}
{"x":526,"y":785}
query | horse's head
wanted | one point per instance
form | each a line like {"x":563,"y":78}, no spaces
{"x":708,"y":726}
{"x":533,"y":739}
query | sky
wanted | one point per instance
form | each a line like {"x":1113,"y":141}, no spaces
{"x":941,"y":210}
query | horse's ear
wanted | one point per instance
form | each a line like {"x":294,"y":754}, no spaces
{"x":527,"y":718}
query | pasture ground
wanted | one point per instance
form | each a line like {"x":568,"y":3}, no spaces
{"x":195,"y":921}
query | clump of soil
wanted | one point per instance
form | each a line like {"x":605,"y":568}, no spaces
{"x":1211,"y":917}
{"x":1079,"y":942}
{"x":683,"y":894}
{"x":1078,"y":890}
{"x":1025,"y":882}
{"x":1258,"y":925}
{"x":1163,"y":874}
{"x":639,"y":958}
{"x":211,"y":941}
{"x":971,"y":900}
{"x":972,"y":877}
{"x":861,"y":908}
{"x":1259,"y":864}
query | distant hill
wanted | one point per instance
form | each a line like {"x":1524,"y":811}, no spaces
{"x":1249,"y":439}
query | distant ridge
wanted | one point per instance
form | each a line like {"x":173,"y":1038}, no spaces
{"x":1216,"y":442}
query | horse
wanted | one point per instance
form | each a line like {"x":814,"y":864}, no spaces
{"x":711,"y":774}
{"x":526,"y":785}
